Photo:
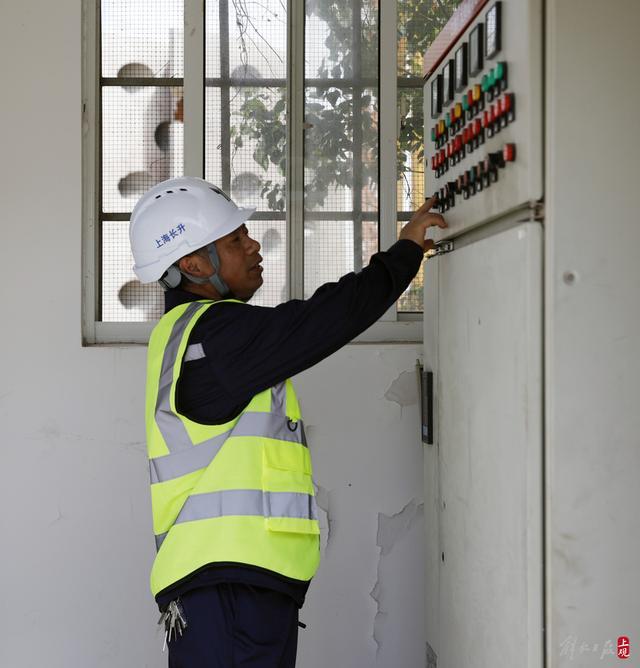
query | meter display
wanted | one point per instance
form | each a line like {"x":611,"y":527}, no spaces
{"x":448,"y":80}
{"x":436,"y":96}
{"x":492,"y":45}
{"x":476,"y":44}
{"x":461,"y":67}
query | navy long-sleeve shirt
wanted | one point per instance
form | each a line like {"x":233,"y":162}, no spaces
{"x":249,"y":349}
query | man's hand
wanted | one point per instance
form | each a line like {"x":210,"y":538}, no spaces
{"x":422,"y":219}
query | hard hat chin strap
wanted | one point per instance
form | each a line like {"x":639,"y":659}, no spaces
{"x":215,"y":280}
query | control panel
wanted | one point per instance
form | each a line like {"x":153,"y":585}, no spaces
{"x":483,"y":117}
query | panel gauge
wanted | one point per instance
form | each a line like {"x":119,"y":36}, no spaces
{"x":461,"y":68}
{"x":476,"y":48}
{"x":493,"y":32}
{"x":436,"y":96}
{"x":448,"y":81}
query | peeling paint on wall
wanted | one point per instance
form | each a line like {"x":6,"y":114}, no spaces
{"x":404,"y":389}
{"x":323,"y":499}
{"x":432,"y":658}
{"x":391,"y":530}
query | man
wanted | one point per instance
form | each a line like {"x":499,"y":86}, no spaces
{"x":233,"y":502}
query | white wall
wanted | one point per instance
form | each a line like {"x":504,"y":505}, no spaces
{"x":75,"y":518}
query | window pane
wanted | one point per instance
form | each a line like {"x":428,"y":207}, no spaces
{"x":124,"y":298}
{"x":246,"y":148}
{"x":141,"y":142}
{"x":328,"y":150}
{"x":213,"y":137}
{"x":258,"y":155}
{"x":419,"y":22}
{"x":139,"y":40}
{"x":245,"y":143}
{"x":251,"y":43}
{"x":341,"y":138}
{"x":410,"y":149}
{"x":328,"y":252}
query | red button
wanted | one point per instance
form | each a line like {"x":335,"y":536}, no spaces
{"x":477,"y":127}
{"x":449,"y":149}
{"x":470,"y":98}
{"x":486,"y":120}
{"x":494,"y":113}
{"x":506,"y":103}
{"x":509,"y":152}
{"x":443,"y":157}
{"x":433,"y":162}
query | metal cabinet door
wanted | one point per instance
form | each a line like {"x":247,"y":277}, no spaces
{"x":483,"y":476}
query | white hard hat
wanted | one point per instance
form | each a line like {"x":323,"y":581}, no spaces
{"x":175,"y":218}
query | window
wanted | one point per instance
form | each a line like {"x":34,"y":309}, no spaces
{"x":278,"y":103}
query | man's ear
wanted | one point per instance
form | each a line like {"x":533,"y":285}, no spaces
{"x":197,"y":265}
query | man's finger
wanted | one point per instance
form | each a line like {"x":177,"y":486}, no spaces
{"x":428,"y":203}
{"x":435,"y":220}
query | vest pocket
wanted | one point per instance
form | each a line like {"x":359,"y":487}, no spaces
{"x":289,"y":494}
{"x":293,"y":525}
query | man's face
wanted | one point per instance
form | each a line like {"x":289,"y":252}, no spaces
{"x":240,"y":263}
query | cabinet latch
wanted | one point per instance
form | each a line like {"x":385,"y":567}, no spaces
{"x":442,"y":248}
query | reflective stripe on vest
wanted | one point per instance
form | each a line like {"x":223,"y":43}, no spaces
{"x":267,"y":425}
{"x":245,"y":502}
{"x":235,"y":492}
{"x":171,"y":427}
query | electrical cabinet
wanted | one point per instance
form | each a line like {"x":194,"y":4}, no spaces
{"x":531,"y":332}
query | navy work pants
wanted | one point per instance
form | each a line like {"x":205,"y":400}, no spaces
{"x":236,"y":626}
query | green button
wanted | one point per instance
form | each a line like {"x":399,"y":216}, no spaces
{"x":485,"y":83}
{"x":447,"y":119}
{"x":492,"y":79}
{"x":465,"y":102}
{"x":498,"y":71}
{"x":433,"y":134}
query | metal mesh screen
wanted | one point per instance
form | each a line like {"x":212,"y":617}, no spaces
{"x":142,"y":142}
{"x":142,"y":136}
{"x":245,"y":122}
{"x":142,"y":39}
{"x":124,"y":298}
{"x":328,"y":252}
{"x":341,"y":139}
{"x":419,"y":23}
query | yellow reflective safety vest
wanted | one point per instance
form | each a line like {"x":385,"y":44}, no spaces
{"x":236,"y":492}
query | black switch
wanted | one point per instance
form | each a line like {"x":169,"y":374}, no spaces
{"x":497,"y":159}
{"x":478,"y":170}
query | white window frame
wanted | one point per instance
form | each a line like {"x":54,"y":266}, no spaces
{"x":392,"y":326}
